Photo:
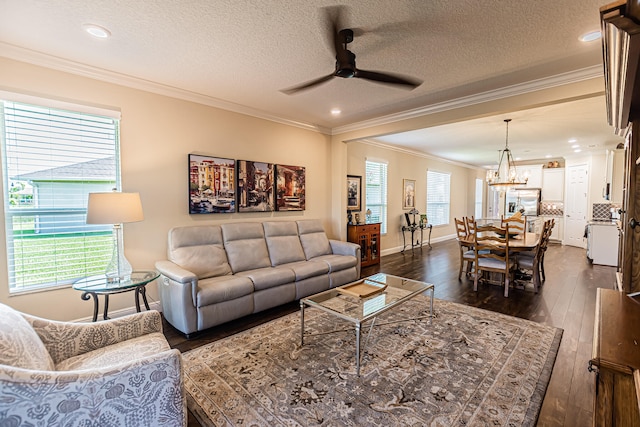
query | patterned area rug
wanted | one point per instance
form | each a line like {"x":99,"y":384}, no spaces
{"x":471,"y":367}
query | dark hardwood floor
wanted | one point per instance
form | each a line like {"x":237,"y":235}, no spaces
{"x":566,"y":300}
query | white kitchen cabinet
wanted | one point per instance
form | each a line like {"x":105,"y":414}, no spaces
{"x":557,"y":232}
{"x":602,"y":243}
{"x":553,"y":184}
{"x":533,"y":173}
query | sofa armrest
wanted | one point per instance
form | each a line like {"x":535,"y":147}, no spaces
{"x":175,"y":272}
{"x":178,"y":289}
{"x":119,"y":393}
{"x":67,"y":339}
{"x":338,"y":247}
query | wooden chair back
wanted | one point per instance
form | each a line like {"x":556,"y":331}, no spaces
{"x":461,"y":228}
{"x":469,"y":221}
{"x":471,"y":226}
{"x":517,"y":224}
{"x":492,"y":252}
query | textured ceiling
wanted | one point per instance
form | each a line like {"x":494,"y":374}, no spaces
{"x":240,"y":54}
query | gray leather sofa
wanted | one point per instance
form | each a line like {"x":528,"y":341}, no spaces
{"x":217,"y":273}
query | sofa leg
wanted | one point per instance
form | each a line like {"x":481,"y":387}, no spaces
{"x":191,"y":336}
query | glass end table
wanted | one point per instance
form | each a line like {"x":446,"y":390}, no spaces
{"x":394,"y":291}
{"x":93,"y":286}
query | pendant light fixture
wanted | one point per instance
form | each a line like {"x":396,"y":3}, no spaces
{"x":506,"y":177}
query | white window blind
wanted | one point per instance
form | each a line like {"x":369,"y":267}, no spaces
{"x":376,"y":192}
{"x":479,"y":190}
{"x":51,"y":160}
{"x":438,"y":197}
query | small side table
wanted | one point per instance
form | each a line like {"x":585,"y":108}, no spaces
{"x":93,"y":286}
{"x":415,"y":242}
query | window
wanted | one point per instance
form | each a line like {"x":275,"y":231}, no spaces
{"x":51,"y":159}
{"x":376,"y":192}
{"x":438,"y":197}
{"x":478,"y":210}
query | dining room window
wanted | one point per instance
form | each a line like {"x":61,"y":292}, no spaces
{"x":478,"y":205}
{"x":376,"y":192}
{"x":438,"y":197}
{"x":53,"y":155}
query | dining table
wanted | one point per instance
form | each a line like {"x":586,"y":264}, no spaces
{"x":517,"y":243}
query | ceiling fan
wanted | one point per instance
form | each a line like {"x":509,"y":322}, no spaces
{"x":346,"y":60}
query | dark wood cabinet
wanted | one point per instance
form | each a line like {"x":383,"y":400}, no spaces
{"x":620,"y":22}
{"x":615,"y":359}
{"x":368,"y":237}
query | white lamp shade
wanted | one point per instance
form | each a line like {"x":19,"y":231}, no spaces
{"x":114,"y":208}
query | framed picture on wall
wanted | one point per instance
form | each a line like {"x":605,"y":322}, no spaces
{"x":290,"y":188}
{"x":212,"y":184}
{"x":255,"y":186}
{"x":354,"y":193}
{"x":408,"y":193}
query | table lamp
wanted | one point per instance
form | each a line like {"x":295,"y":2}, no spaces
{"x":115,"y":208}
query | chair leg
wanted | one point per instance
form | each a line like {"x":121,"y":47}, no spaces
{"x":506,"y":285}
{"x":542,"y":267}
{"x":536,"y":278}
{"x":461,"y":266}
{"x":475,"y":280}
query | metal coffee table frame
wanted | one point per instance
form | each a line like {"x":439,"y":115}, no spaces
{"x":315,"y":301}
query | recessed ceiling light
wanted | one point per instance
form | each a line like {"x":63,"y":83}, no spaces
{"x":575,"y":146}
{"x":336,"y":111}
{"x":548,"y":156}
{"x":590,"y":36}
{"x":572,"y":140}
{"x":518,"y":159}
{"x":577,"y":150}
{"x":97,"y":31}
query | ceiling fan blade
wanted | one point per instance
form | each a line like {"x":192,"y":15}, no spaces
{"x":334,"y":22}
{"x":308,"y":85}
{"x":396,"y":79}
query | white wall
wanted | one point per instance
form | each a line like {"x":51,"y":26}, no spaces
{"x":157,"y":134}
{"x":402,"y":165}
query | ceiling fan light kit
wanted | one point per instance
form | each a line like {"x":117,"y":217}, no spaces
{"x":346,"y":62}
{"x":506,"y":176}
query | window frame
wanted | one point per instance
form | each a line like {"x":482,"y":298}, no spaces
{"x":379,"y":210}
{"x":434,"y":219}
{"x":15,"y":146}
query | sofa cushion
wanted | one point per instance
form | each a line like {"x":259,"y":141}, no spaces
{"x":313,"y":238}
{"x":20,"y":345}
{"x":199,"y":249}
{"x":245,"y":246}
{"x":306,"y":269}
{"x":337,"y":262}
{"x":220,"y":289}
{"x":283,"y":242}
{"x":269,"y":277}
{"x":124,"y":351}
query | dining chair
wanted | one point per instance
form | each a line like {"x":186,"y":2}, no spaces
{"x":517,"y":224}
{"x":533,"y":263}
{"x":469,"y":222}
{"x":486,"y":238}
{"x":466,"y":248}
{"x":552,"y":224}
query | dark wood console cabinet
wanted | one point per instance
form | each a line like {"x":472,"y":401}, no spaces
{"x":368,"y":237}
{"x":615,"y":359}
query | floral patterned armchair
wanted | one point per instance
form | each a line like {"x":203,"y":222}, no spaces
{"x":120,"y":372}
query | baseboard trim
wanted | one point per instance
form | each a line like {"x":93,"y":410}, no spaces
{"x":153,"y":305}
{"x":434,"y":240}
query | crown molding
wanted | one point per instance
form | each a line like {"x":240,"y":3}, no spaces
{"x":416,"y":153}
{"x":76,"y":68}
{"x":488,"y":96}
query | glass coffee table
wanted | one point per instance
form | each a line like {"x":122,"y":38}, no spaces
{"x":93,"y":286}
{"x":364,"y":300}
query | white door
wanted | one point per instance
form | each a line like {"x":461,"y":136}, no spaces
{"x":575,"y":207}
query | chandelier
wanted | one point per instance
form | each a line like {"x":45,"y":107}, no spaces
{"x":506,"y":176}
